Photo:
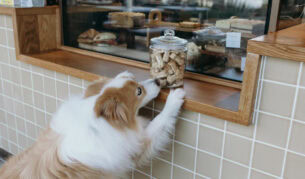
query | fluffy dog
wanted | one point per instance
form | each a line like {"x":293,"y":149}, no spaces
{"x":99,"y":135}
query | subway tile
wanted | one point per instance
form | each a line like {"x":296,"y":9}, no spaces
{"x":190,"y":115}
{"x":5,"y":145}
{"x":268,"y":159}
{"x":259,"y":175}
{"x":2,"y":21}
{"x":237,"y":149}
{"x":179,"y":173}
{"x":210,"y":140}
{"x":184,"y":156}
{"x":300,"y":106}
{"x":12,"y":135}
{"x":3,"y":131}
{"x":231,"y":170}
{"x":3,"y":37}
{"x":39,"y":101}
{"x":21,"y":140}
{"x":297,"y":138}
{"x":20,"y":125}
{"x":50,"y":104}
{"x":1,"y":101}
{"x":186,"y":132}
{"x":5,"y":71}
{"x":212,"y":121}
{"x":25,"y":66}
{"x":7,"y":89}
{"x":10,"y":39}
{"x":26,"y":79}
{"x":2,"y":117}
{"x":37,"y":82}
{"x":302,"y":82}
{"x":48,"y":118}
{"x":13,"y":149}
{"x":31,"y":129}
{"x":9,"y":22}
{"x":4,"y":55}
{"x":62,"y":90}
{"x":8,"y":104}
{"x":138,"y":175}
{"x":273,"y":100}
{"x":29,"y":142}
{"x":40,"y":118}
{"x":27,"y":96}
{"x":15,"y":75}
{"x":74,"y":90}
{"x":13,"y":60}
{"x":294,"y":166}
{"x":161,"y":169}
{"x":11,"y":121}
{"x":274,"y":70}
{"x":167,"y":153}
{"x":49,"y":86}
{"x":61,"y":76}
{"x":49,"y":73}
{"x":37,"y":69}
{"x":19,"y":108}
{"x":266,"y":131}
{"x":75,"y":81}
{"x":17,"y":92}
{"x":207,"y":165}
{"x":29,"y":113}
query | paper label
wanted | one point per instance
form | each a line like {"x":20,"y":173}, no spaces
{"x":243,"y":63}
{"x":233,"y":39}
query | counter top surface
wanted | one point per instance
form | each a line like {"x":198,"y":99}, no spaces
{"x":286,"y":44}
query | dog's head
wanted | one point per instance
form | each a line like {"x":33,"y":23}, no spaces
{"x":119,"y":99}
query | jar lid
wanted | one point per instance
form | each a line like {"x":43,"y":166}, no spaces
{"x":169,"y":41}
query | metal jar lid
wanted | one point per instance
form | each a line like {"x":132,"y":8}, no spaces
{"x":169,"y":41}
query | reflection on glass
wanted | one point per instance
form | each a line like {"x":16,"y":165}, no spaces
{"x":292,"y":12}
{"x":124,"y":28}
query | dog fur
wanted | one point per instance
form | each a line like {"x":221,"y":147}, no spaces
{"x":99,"y":135}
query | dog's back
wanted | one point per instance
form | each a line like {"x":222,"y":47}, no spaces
{"x":42,"y":161}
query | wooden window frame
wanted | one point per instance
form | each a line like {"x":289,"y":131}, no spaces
{"x":45,"y":28}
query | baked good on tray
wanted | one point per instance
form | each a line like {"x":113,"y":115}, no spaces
{"x":105,"y":38}
{"x":188,"y":24}
{"x":87,"y":36}
{"x":127,"y":19}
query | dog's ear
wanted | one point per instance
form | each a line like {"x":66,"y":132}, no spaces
{"x":113,"y":109}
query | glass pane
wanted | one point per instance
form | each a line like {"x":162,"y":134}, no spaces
{"x":292,"y":13}
{"x":217,"y":31}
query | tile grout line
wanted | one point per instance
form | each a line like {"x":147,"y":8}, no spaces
{"x":292,"y":118}
{"x":259,"y":90}
{"x":222,"y":150}
{"x":196,"y":151}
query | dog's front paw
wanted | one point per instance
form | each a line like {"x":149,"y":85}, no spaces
{"x":174,"y":102}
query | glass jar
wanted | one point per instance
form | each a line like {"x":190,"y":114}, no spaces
{"x":167,"y":59}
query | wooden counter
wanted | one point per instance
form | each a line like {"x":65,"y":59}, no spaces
{"x":285,"y":44}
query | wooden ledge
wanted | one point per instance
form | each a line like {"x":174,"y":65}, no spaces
{"x":5,"y":10}
{"x":285,"y":44}
{"x":208,"y":98}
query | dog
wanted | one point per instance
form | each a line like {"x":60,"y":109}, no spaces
{"x":99,"y":134}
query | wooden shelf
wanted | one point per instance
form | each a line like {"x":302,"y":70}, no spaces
{"x":200,"y":96}
{"x":285,"y":44}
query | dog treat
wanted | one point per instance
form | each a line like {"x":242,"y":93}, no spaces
{"x":168,"y":67}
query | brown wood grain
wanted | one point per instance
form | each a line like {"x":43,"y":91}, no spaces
{"x":47,"y":32}
{"x":248,"y":93}
{"x":7,"y":10}
{"x":285,"y":44}
{"x":28,"y":34}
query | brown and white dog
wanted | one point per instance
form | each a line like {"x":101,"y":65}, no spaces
{"x":99,"y":135}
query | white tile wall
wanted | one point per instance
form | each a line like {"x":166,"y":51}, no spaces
{"x":202,"y":146}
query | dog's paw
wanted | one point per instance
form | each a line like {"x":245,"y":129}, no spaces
{"x":174,"y":101}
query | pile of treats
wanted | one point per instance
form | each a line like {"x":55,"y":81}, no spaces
{"x":168,"y":67}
